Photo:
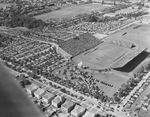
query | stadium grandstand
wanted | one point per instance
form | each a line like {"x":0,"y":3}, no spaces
{"x":80,"y":44}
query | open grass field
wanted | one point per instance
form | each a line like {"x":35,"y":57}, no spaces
{"x":102,"y":56}
{"x":71,"y":11}
{"x":136,"y":33}
{"x":116,"y":80}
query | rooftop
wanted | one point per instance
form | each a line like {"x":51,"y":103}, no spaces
{"x":57,"y":99}
{"x":48,"y":96}
{"x":77,"y":110}
{"x":67,"y":104}
{"x":32,"y":87}
{"x":88,"y":114}
{"x":39,"y":91}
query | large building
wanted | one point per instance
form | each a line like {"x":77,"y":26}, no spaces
{"x":48,"y":97}
{"x":78,"y":111}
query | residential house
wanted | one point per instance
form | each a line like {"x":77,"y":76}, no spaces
{"x":48,"y":97}
{"x":32,"y":88}
{"x":50,"y":110}
{"x":67,"y":106}
{"x":57,"y":101}
{"x":39,"y":93}
{"x":78,"y":111}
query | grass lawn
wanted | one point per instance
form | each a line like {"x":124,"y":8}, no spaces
{"x":71,"y":11}
{"x":111,"y":78}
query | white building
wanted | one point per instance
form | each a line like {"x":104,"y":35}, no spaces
{"x":39,"y":93}
{"x":48,"y":97}
{"x":67,"y":106}
{"x":78,"y":111}
{"x":57,"y":101}
{"x":32,"y":88}
{"x":88,"y":114}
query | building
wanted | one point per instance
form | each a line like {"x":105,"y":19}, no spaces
{"x":86,"y":0}
{"x":88,"y":114}
{"x":39,"y":93}
{"x":49,"y":111}
{"x":78,"y":111}
{"x":32,"y":88}
{"x":67,"y":106}
{"x":57,"y":101}
{"x":94,"y":110}
{"x":86,"y":105}
{"x":146,"y":20}
{"x":48,"y":97}
{"x":110,"y":15}
{"x":99,"y":1}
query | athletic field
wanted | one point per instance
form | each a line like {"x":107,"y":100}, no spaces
{"x":71,"y":11}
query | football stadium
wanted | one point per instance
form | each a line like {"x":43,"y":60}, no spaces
{"x":118,"y":52}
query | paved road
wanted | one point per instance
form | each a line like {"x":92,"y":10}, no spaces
{"x":13,"y":101}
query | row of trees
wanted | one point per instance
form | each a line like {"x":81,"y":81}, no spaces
{"x":126,"y":88}
{"x":94,"y":18}
{"x":5,"y":40}
{"x":25,"y":21}
{"x":132,"y":82}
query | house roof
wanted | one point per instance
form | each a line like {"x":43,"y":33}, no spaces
{"x":94,"y":110}
{"x":50,"y":110}
{"x":32,"y":87}
{"x":57,"y":99}
{"x":39,"y":91}
{"x":67,"y":104}
{"x":88,"y":114}
{"x":77,"y":110}
{"x":86,"y":105}
{"x":48,"y":96}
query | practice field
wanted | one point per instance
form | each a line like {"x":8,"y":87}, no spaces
{"x":71,"y":11}
{"x":102,"y":56}
{"x":136,"y":33}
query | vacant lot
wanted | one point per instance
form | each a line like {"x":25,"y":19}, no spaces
{"x":71,"y":11}
{"x":102,"y":56}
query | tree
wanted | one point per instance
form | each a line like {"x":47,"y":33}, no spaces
{"x":92,"y":18}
